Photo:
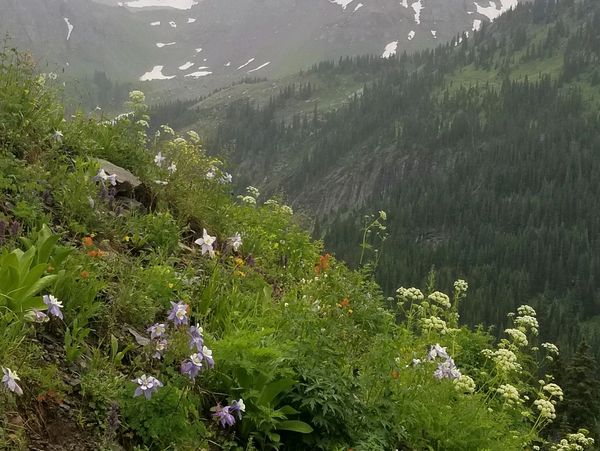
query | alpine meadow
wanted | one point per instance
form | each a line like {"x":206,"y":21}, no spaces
{"x":283,"y":225}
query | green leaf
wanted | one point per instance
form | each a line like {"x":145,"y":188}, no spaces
{"x":295,"y":426}
{"x":272,"y":390}
{"x":288,"y":410}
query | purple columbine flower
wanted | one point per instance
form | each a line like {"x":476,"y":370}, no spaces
{"x":447,"y":370}
{"x":147,"y":385}
{"x":196,"y":339}
{"x":10,"y":379}
{"x":192,"y":366}
{"x":54,"y":305}
{"x":157,"y":330}
{"x":207,"y":354}
{"x":238,"y":407}
{"x":437,"y":351}
{"x":179,"y":313}
{"x":159,"y":348}
{"x":224,"y":416}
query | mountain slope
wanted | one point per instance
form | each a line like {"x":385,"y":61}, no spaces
{"x":483,"y":156}
{"x":193,"y":48}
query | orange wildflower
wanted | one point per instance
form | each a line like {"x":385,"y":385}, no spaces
{"x":88,"y":241}
{"x":323,"y":264}
{"x":345,"y":302}
{"x":92,"y":253}
{"x":84,"y":274}
{"x":395,"y":374}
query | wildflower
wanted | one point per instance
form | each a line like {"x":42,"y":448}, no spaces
{"x":226,"y":178}
{"x":143,"y":123}
{"x":192,"y":366}
{"x":410,"y":294}
{"x":416,"y":362}
{"x":526,"y":310}
{"x":168,"y":130}
{"x":206,"y":243}
{"x":137,"y":97}
{"x":159,"y":348}
{"x":172,"y":168}
{"x":57,"y":136}
{"x":88,"y":241}
{"x":147,"y":385}
{"x":464,"y":384}
{"x":323,"y":264}
{"x":509,"y":394}
{"x":158,"y":159}
{"x":447,"y":370}
{"x":434,"y":323}
{"x":196,"y":339}
{"x":54,"y":305}
{"x":238,"y":407}
{"x":10,"y":379}
{"x":37,"y":316}
{"x":84,"y":274}
{"x":551,"y":348}
{"x":505,"y":359}
{"x":157,"y":330}
{"x":207,"y":353}
{"x":461,"y":286}
{"x":248,"y":200}
{"x":252,"y":191}
{"x":224,"y":416}
{"x":287,"y":210}
{"x":546,"y":409}
{"x":518,"y":337}
{"x":235,"y":241}
{"x":554,"y":390}
{"x":440,"y":298}
{"x":178,"y":313}
{"x":344,"y":303}
{"x":527,"y":323}
{"x":194,"y":137}
{"x":382,"y":215}
{"x":436,"y":351}
{"x":102,"y":176}
{"x":52,"y":76}
{"x":210,"y":174}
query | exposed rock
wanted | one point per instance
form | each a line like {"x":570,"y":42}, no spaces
{"x":123,"y":175}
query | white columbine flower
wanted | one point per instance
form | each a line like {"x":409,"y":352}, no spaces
{"x":235,"y":242}
{"x":57,"y":136}
{"x":158,"y":159}
{"x":206,"y":243}
{"x":172,"y":168}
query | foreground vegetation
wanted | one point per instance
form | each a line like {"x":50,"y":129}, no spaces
{"x":152,"y":309}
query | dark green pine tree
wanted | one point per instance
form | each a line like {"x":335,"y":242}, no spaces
{"x":582,"y":391}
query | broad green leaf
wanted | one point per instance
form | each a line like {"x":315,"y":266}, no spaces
{"x":295,"y":426}
{"x":272,"y":390}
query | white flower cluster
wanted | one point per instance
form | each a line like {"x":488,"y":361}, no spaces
{"x":551,"y":348}
{"x":248,"y":200}
{"x":546,"y":408}
{"x":137,"y":97}
{"x":554,"y":390}
{"x":461,"y":286}
{"x":433,"y":323}
{"x":527,"y":323}
{"x":509,"y":394}
{"x":575,"y":442}
{"x":526,"y":310}
{"x":440,"y":298}
{"x":464,"y":384}
{"x":410,"y":294}
{"x":194,"y":137}
{"x":505,"y":359}
{"x":517,"y":336}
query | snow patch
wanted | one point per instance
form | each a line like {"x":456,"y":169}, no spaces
{"x":200,"y":73}
{"x":177,"y":4}
{"x":492,"y":10}
{"x":342,"y":3}
{"x":404,"y":3}
{"x":228,"y":64}
{"x":259,"y":67}
{"x":173,"y":24}
{"x":69,"y":28}
{"x":411,"y":35}
{"x":417,"y":7}
{"x":155,"y":24}
{"x":155,"y":74}
{"x":476,"y":25}
{"x":360,"y":5}
{"x":191,"y":19}
{"x":160,"y":45}
{"x":434,"y":34}
{"x":245,"y":64}
{"x":186,"y":66}
{"x":198,"y":50}
{"x":390,"y":49}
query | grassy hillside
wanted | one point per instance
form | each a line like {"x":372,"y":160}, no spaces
{"x":482,"y":152}
{"x":142,"y":306}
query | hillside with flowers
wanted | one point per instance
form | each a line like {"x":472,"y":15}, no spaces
{"x":144,"y":306}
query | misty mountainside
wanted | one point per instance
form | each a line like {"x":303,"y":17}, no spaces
{"x":483,"y":154}
{"x":186,"y":48}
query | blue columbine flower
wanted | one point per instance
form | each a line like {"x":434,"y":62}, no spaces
{"x":196,"y":339}
{"x":238,"y":407}
{"x":54,"y":305}
{"x":147,"y":385}
{"x":192,"y":366}
{"x":447,"y":370}
{"x":157,"y":330}
{"x":9,"y":379}
{"x":224,"y":416}
{"x":179,"y":313}
{"x":207,"y":354}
